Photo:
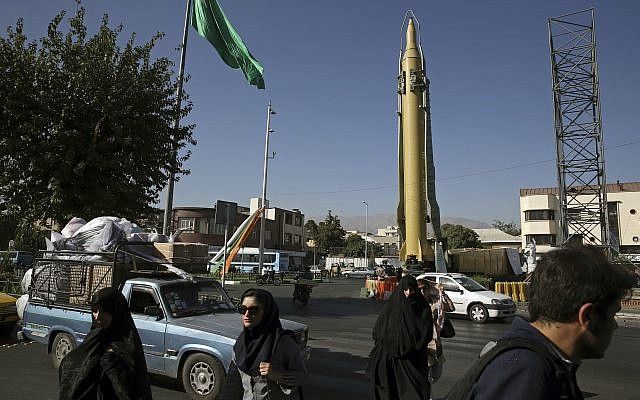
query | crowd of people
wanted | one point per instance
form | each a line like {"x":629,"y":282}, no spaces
{"x":574,"y":295}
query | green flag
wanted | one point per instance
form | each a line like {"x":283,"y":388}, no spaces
{"x":211,"y":23}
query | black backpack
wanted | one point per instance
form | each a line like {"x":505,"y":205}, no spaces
{"x":463,"y":387}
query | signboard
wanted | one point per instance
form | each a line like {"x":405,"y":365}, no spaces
{"x":225,"y":212}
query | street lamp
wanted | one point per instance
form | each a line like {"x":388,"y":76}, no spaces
{"x":270,"y":112}
{"x":366,"y":231}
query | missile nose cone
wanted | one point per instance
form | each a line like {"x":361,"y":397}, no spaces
{"x":411,"y":35}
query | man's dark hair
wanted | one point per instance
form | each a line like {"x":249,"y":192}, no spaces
{"x":571,"y":276}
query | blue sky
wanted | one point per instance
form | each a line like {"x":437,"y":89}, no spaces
{"x":330,"y":72}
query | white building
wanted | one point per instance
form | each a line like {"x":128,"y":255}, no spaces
{"x":540,"y":215}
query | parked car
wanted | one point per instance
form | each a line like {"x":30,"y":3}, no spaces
{"x":8,"y":312}
{"x":358,"y":272}
{"x":471,"y":298}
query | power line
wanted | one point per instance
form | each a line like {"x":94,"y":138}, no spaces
{"x":488,"y":171}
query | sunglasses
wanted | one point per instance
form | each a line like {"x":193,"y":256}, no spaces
{"x":252,"y":310}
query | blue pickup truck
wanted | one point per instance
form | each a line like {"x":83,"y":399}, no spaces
{"x":187,"y":327}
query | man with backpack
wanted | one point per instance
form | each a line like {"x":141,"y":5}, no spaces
{"x":574,"y":295}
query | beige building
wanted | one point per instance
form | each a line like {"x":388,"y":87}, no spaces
{"x":493,"y":238}
{"x":540,"y":215}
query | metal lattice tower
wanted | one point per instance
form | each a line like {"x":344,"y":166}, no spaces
{"x":578,"y":129}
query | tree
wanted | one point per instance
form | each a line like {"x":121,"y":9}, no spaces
{"x":330,"y":234}
{"x":86,"y":126}
{"x":459,"y":237}
{"x":507,"y":227}
{"x":354,"y":247}
{"x":311,"y":229}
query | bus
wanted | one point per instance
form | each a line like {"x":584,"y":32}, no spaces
{"x":247,"y":260}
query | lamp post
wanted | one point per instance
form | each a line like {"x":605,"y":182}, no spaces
{"x":270,"y":112}
{"x":366,"y":231}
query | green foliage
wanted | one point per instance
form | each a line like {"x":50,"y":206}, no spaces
{"x":507,"y":227}
{"x":459,"y":237}
{"x":86,"y":126}
{"x":354,"y":247}
{"x":330,"y":234}
{"x":30,"y":237}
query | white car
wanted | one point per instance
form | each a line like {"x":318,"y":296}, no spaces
{"x":358,"y":272}
{"x":471,"y":298}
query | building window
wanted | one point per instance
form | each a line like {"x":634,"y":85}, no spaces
{"x":544,"y":240}
{"x":288,"y":219}
{"x":539,"y":215}
{"x":204,"y":225}
{"x":297,"y":239}
{"x":218,"y":229}
{"x":287,"y":238}
{"x":186,"y":224}
{"x":298,"y":220}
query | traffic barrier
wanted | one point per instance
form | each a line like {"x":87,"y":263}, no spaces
{"x":515,"y":290}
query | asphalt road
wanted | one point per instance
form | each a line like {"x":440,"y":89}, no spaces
{"x":340,"y":325}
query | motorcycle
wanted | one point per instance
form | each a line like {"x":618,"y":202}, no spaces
{"x":302,"y":293}
{"x":268,"y":279}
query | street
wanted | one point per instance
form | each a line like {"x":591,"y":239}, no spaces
{"x":340,"y":325}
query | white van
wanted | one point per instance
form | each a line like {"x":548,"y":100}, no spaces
{"x":471,"y":298}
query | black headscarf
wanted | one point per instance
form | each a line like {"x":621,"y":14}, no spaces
{"x":255,"y":345}
{"x":82,"y":371}
{"x":405,"y":323}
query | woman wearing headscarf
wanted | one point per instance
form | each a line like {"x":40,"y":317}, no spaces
{"x":398,"y":364}
{"x":440,"y":304}
{"x":267,"y":361}
{"x":109,"y":364}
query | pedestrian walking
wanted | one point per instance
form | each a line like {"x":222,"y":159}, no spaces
{"x":109,"y":364}
{"x":574,"y":295}
{"x":398,"y":363}
{"x":440,"y":305}
{"x":267,"y":361}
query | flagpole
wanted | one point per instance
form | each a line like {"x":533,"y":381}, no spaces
{"x":183,"y":50}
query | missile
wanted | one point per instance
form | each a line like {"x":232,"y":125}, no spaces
{"x":416,"y":172}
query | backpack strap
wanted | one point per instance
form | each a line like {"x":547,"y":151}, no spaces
{"x":463,"y":387}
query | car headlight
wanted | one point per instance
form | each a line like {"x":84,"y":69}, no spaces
{"x":301,"y":336}
{"x":495,"y":301}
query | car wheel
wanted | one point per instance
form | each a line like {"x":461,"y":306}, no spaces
{"x":202,"y":376}
{"x":478,"y":313}
{"x":62,"y":345}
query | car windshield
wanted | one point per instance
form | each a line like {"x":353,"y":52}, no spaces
{"x":196,"y":298}
{"x":470,"y":284}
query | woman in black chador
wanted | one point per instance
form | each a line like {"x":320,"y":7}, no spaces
{"x":109,"y":364}
{"x":398,"y":364}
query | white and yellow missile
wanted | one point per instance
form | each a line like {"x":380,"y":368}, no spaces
{"x":416,"y":176}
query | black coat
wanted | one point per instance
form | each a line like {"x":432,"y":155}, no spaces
{"x":109,"y":364}
{"x":398,"y":364}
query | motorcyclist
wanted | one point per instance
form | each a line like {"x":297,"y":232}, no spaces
{"x":302,"y":288}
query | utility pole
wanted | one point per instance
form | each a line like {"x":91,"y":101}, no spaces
{"x":366,"y":231}
{"x":270,"y":112}
{"x":183,"y":51}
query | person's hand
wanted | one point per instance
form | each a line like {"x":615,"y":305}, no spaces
{"x":265,"y":369}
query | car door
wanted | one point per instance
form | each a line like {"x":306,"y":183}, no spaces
{"x":455,"y":293}
{"x":150,"y":328}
